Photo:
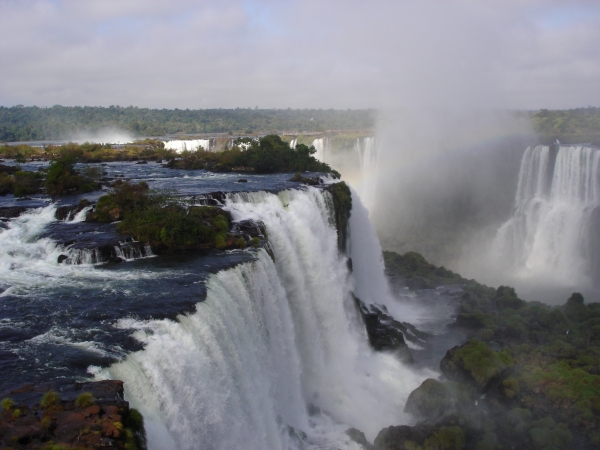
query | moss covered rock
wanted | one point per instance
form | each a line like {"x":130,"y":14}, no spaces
{"x":475,"y":363}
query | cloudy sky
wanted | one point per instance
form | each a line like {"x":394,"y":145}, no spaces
{"x":525,"y":54}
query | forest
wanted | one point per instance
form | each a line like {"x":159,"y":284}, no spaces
{"x":21,"y":123}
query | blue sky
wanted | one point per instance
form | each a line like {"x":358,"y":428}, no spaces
{"x":524,"y":54}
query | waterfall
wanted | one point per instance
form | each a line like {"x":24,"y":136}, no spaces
{"x":190,"y":145}
{"x":551,"y":232}
{"x":368,"y":157}
{"x":293,"y":143}
{"x":275,"y":357}
{"x":322,"y":146}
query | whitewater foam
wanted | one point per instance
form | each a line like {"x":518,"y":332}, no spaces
{"x":274,"y":358}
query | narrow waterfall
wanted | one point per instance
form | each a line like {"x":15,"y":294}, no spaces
{"x":551,"y":232}
{"x":368,"y":157}
{"x":293,"y":143}
{"x":190,"y":145}
{"x":275,"y":357}
{"x":322,"y":146}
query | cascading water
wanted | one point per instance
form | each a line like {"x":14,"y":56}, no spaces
{"x":190,"y":145}
{"x":322,"y":146}
{"x":274,"y":358}
{"x":551,"y":233}
{"x":368,"y":157}
{"x":293,"y":143}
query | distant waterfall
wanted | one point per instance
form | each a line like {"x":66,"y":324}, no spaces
{"x":368,"y":157}
{"x":190,"y":145}
{"x":552,"y":233}
{"x":323,"y":148}
{"x":274,"y":358}
{"x":293,"y":143}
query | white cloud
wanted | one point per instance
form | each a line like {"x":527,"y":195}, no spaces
{"x":343,"y":54}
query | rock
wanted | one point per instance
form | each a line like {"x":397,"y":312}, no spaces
{"x":359,"y":437}
{"x":10,"y":212}
{"x":61,"y":258}
{"x":242,"y":180}
{"x":9,"y":169}
{"x":142,"y":161}
{"x":104,"y":424}
{"x":384,"y":333}
{"x":433,"y":399}
{"x":476,"y":364}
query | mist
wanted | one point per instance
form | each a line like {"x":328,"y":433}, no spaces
{"x":102,"y":136}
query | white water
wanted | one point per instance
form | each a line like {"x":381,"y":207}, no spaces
{"x":322,"y":146}
{"x":190,"y":145}
{"x":28,"y":263}
{"x":293,"y":143}
{"x":271,"y":339}
{"x":369,"y":164}
{"x":548,"y":237}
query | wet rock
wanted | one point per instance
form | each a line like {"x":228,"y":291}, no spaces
{"x":10,"y":212}
{"x":242,"y":180}
{"x":359,"y":437}
{"x":384,"y":333}
{"x":61,"y":259}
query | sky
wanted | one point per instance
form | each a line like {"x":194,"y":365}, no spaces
{"x":516,"y":54}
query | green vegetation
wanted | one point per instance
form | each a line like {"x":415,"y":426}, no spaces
{"x":7,"y":404}
{"x":26,"y":183}
{"x":162,"y":220}
{"x":84,"y":400}
{"x":50,"y":399}
{"x":538,"y":366}
{"x":62,"y":178}
{"x":413,"y":271}
{"x":20,"y":123}
{"x":269,"y":154}
{"x":569,"y":126}
{"x":135,"y":432}
{"x":342,"y":207}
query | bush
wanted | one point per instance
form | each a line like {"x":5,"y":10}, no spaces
{"x":50,"y":399}
{"x":84,"y":400}
{"x":6,"y":183}
{"x":26,"y":183}
{"x":8,"y":404}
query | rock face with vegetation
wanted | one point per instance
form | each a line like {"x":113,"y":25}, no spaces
{"x":342,"y":207}
{"x":527,"y":378}
{"x":80,"y":416}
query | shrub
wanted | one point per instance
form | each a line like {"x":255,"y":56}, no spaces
{"x":50,"y":399}
{"x":8,"y":404}
{"x":6,"y":183}
{"x":26,"y":183}
{"x":84,"y":400}
{"x":240,"y":243}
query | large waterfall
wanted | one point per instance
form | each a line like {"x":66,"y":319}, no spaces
{"x":276,"y":356}
{"x":551,"y":235}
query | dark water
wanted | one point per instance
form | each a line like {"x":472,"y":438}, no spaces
{"x":57,"y":320}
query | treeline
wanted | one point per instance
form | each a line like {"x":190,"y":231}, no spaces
{"x":569,"y":126}
{"x":19,"y":123}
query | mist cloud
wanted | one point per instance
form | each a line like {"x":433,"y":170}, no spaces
{"x":350,"y":54}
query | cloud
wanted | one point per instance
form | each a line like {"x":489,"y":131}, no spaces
{"x":340,"y":54}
